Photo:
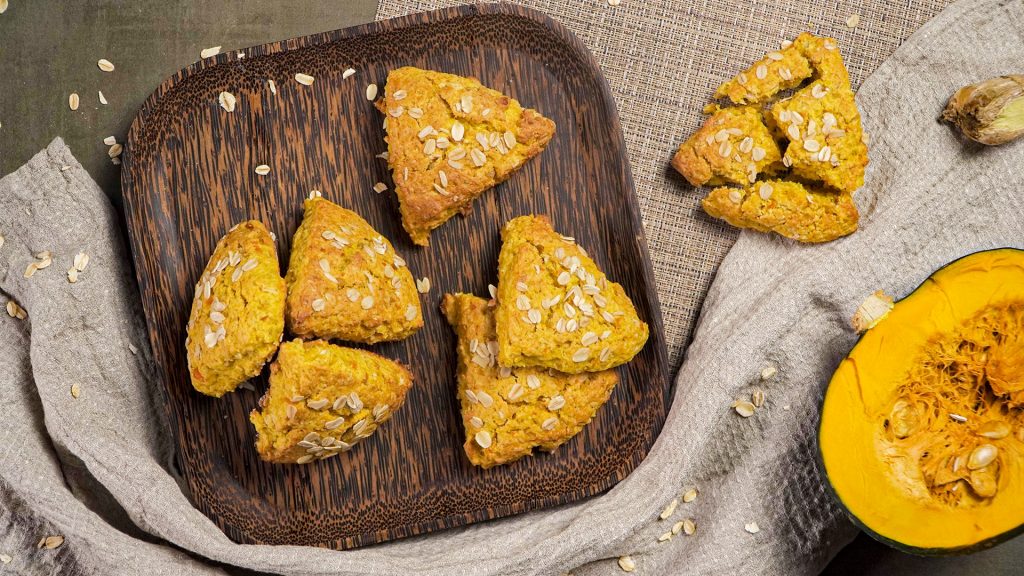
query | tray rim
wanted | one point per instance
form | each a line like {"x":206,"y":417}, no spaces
{"x":396,"y":24}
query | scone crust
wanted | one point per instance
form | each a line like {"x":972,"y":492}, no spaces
{"x":584,"y":322}
{"x":733,"y":146}
{"x":791,"y":209}
{"x":780,"y":70}
{"x":345,"y":281}
{"x":237,"y":317}
{"x":497,"y":136}
{"x":519,"y":409}
{"x":323,"y":399}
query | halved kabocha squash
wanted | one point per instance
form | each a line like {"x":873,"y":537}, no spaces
{"x":922,"y":427}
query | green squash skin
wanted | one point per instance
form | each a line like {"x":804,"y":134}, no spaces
{"x":820,"y":461}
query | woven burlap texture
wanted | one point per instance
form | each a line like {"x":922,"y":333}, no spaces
{"x":94,"y":468}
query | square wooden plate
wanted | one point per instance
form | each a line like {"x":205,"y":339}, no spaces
{"x":189,"y":176}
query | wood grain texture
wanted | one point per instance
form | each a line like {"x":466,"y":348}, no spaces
{"x":189,"y":176}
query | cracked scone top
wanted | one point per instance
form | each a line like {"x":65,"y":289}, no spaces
{"x":323,"y":399}
{"x":449,"y":139}
{"x":237,"y":317}
{"x":345,"y":281}
{"x":508,"y":412}
{"x":556,"y":308}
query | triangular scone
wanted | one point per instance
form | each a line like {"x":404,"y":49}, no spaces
{"x":507,"y":412}
{"x":345,"y":281}
{"x":237,"y":317}
{"x":556,"y":309}
{"x":323,"y":399}
{"x":794,"y":210}
{"x":450,"y":139}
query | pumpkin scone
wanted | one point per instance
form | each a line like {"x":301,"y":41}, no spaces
{"x":732,"y":147}
{"x":323,"y":399}
{"x":509,"y":412}
{"x":791,"y":209}
{"x":237,"y":318}
{"x":449,"y":139}
{"x":556,"y":309}
{"x":346,"y":281}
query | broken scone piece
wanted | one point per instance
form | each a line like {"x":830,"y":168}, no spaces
{"x":323,"y":399}
{"x":556,"y":308}
{"x":345,"y":281}
{"x":237,"y":317}
{"x":449,"y":139}
{"x":732,"y":147}
{"x":791,"y":209}
{"x":508,"y":412}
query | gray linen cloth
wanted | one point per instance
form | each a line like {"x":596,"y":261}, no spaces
{"x":96,"y":469}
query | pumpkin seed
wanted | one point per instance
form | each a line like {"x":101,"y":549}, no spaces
{"x":994,"y":429}
{"x":984,"y":482}
{"x":903,"y":419}
{"x":982,"y":456}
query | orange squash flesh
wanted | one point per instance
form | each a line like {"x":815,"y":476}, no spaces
{"x":897,"y":487}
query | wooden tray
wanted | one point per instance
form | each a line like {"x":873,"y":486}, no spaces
{"x":189,"y":176}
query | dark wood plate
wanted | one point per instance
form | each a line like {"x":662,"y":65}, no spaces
{"x":189,"y":176}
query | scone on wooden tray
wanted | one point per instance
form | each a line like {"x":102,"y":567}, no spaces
{"x":237,"y":318}
{"x":791,"y":209}
{"x":732,"y":147}
{"x":345,"y":281}
{"x":556,"y":309}
{"x":449,"y":139}
{"x":323,"y":399}
{"x":509,"y":412}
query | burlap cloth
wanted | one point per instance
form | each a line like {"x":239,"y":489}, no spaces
{"x":95,"y":469}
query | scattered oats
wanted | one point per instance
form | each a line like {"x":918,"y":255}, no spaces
{"x":81,"y":261}
{"x":744,"y":408}
{"x":793,"y":132}
{"x":443,"y":176}
{"x":677,"y":527}
{"x":458,"y":131}
{"x":72,"y":275}
{"x":396,"y":112}
{"x":416,"y":112}
{"x":208,"y":52}
{"x":305,"y":459}
{"x":318,"y":304}
{"x":263,"y":169}
{"x":725,"y":149}
{"x":830,"y":44}
{"x":557,"y":402}
{"x":581,"y":355}
{"x":564,"y":278}
{"x":775,"y":56}
{"x":76,"y":390}
{"x":430,"y":146}
{"x":105,"y":65}
{"x":689,"y":528}
{"x":757,"y":398}
{"x":819,"y":91}
{"x":115,"y":150}
{"x":811,"y":145}
{"x":626,"y":563}
{"x":348,"y":73}
{"x":534,"y":316}
{"x":509,"y":138}
{"x":761,"y":72}
{"x":757,"y":154}
{"x":332,"y":424}
{"x":73,"y":101}
{"x":785,"y":44}
{"x":765,"y":191}
{"x":227,"y":101}
{"x":380,"y":187}
{"x":318,"y":404}
{"x":371,"y":92}
{"x":690,"y":495}
{"x":752,"y":527}
{"x":423,"y":285}
{"x":669,"y":510}
{"x":4,"y":558}
{"x":352,"y":294}
{"x":483,"y":439}
{"x":769,"y":372}
{"x":314,"y":193}
{"x":746,"y":145}
{"x":550,"y":423}
{"x":492,"y":290}
{"x":853,"y":20}
{"x":410,"y":312}
{"x":304,"y":79}
{"x":110,"y":140}
{"x":51,"y":542}
{"x":665,"y":537}
{"x":366,"y":303}
{"x":736,"y":196}
{"x":533,"y":381}
{"x":273,"y":87}
{"x":3,"y":8}
{"x":1,"y":241}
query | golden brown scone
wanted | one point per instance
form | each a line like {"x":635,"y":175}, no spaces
{"x":796,"y":211}
{"x":507,"y":412}
{"x":733,"y":146}
{"x":449,"y":139}
{"x":787,"y":68}
{"x":346,"y":281}
{"x":826,"y":139}
{"x":556,"y":308}
{"x":323,"y":399}
{"x":237,"y":317}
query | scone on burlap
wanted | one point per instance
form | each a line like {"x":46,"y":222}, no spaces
{"x":791,"y":209}
{"x":449,"y":139}
{"x":323,"y":399}
{"x":509,"y":412}
{"x":556,"y":309}
{"x":345,"y":281}
{"x":237,"y":318}
{"x":807,"y":198}
{"x":733,"y":146}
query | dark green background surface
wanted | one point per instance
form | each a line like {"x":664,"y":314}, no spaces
{"x":49,"y":48}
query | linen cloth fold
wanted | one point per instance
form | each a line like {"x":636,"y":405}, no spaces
{"x":96,"y":468}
